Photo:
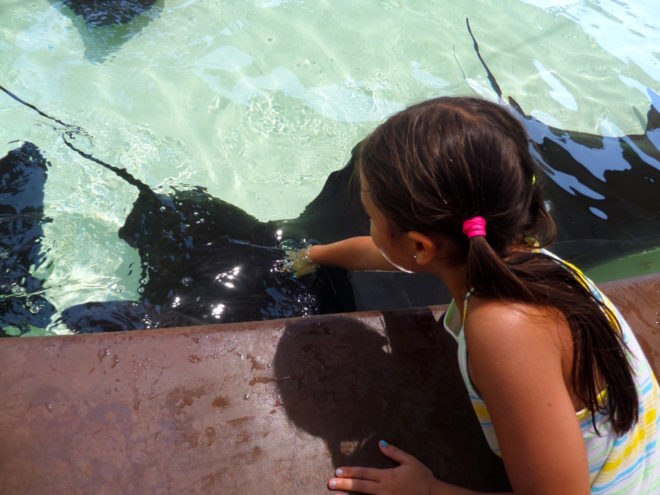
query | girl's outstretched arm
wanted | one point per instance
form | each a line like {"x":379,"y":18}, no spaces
{"x":354,"y":253}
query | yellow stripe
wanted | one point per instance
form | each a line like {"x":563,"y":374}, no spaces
{"x":583,"y":413}
{"x":587,"y":284}
{"x":480,"y":410}
{"x":634,"y":444}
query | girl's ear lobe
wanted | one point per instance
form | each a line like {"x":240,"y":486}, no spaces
{"x":423,"y":247}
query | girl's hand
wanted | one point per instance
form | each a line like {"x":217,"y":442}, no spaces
{"x":411,"y":476}
{"x":298,"y":262}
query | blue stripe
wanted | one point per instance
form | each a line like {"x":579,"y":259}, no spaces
{"x":623,"y":475}
{"x":647,"y":386}
{"x":650,"y":447}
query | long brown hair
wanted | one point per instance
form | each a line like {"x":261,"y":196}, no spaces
{"x":443,"y":161}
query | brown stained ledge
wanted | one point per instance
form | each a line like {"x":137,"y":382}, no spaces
{"x":250,"y":408}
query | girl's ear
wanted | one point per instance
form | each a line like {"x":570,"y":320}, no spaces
{"x":424,"y":248}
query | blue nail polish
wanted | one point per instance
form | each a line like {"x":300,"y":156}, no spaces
{"x":383,"y":443}
{"x":333,"y":483}
{"x":339,"y":471}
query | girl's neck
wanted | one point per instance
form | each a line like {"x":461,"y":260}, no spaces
{"x":454,"y":277}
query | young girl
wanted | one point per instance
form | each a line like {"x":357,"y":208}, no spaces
{"x":556,"y":378}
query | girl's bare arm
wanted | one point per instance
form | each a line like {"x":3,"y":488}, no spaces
{"x":520,"y":360}
{"x":354,"y":253}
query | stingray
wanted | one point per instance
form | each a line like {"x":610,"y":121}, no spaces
{"x":105,"y":25}
{"x":23,"y":172}
{"x":99,"y":13}
{"x":602,"y":191}
{"x":204,"y":260}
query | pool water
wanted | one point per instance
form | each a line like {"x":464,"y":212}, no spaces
{"x":258,"y":101}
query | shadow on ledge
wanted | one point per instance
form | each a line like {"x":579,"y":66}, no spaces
{"x":347,"y":383}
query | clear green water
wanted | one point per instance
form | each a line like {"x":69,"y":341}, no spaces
{"x":260,"y":100}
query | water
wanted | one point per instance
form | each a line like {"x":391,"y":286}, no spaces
{"x":259,"y":101}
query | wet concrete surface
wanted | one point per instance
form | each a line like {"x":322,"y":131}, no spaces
{"x":250,"y":408}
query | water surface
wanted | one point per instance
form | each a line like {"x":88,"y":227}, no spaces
{"x":259,"y":101}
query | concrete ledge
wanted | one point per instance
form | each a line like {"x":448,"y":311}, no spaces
{"x":263,"y":407}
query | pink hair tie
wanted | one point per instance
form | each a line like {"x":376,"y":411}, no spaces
{"x":474,"y":227}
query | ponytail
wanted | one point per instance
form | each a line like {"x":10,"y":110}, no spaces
{"x":484,"y":266}
{"x":598,"y":346}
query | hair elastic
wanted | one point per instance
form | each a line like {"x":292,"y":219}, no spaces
{"x":474,"y":227}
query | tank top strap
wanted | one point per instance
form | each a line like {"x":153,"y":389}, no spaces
{"x":608,"y":307}
{"x":465,"y":304}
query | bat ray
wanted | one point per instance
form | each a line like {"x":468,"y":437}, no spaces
{"x":108,"y":12}
{"x":105,"y":25}
{"x":207,"y":261}
{"x":203,"y":259}
{"x":602,"y":190}
{"x":23,"y":173}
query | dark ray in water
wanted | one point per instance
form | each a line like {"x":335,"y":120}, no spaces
{"x":108,"y":12}
{"x":603,"y":192}
{"x":203,"y":260}
{"x":105,"y":25}
{"x":207,"y":261}
{"x":23,"y":174}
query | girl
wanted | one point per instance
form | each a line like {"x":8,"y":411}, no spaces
{"x":556,"y":378}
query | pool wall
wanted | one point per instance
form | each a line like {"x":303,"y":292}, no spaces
{"x":261,"y":407}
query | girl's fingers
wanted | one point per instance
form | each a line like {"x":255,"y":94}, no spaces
{"x":353,"y":485}
{"x":357,"y":479}
{"x":369,"y":480}
{"x":362,"y":473}
{"x":395,"y":453}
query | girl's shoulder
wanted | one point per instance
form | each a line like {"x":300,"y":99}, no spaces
{"x":511,"y":316}
{"x":504,"y":333}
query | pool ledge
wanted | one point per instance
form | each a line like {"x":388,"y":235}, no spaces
{"x":250,"y":408}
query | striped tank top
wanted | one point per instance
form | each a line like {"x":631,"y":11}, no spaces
{"x":628,"y":464}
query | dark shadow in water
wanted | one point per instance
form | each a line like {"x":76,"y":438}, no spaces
{"x":105,"y":25}
{"x":351,"y":385}
{"x":23,"y":174}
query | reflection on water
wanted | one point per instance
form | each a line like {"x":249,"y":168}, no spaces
{"x":625,"y":28}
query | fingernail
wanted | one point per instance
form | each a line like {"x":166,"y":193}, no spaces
{"x":383,"y":443}
{"x":333,"y":483}
{"x":339,"y":471}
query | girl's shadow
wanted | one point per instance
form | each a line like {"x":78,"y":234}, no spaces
{"x":352,"y":384}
